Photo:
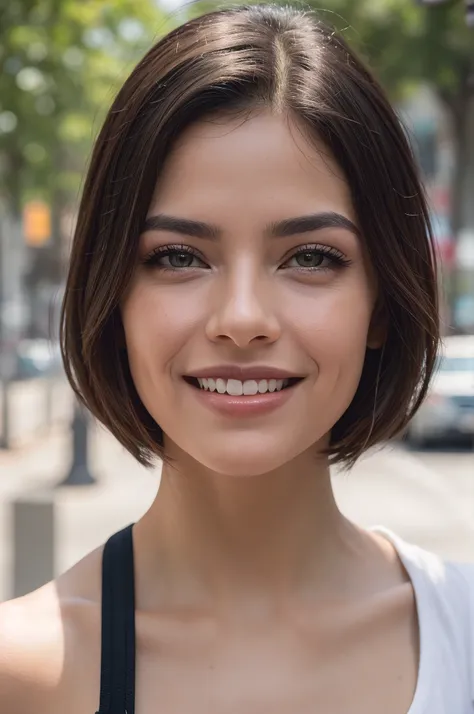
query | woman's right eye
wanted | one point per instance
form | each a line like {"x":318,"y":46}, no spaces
{"x":179,"y":258}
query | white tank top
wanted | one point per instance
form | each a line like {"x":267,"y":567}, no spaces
{"x":444,"y":593}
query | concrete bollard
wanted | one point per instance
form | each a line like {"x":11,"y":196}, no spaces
{"x":34,"y":526}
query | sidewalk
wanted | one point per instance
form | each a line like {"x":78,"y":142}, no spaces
{"x":390,"y":487}
{"x":85,"y":515}
{"x":35,"y":405}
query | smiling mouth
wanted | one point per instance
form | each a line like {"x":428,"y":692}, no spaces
{"x":237,"y":388}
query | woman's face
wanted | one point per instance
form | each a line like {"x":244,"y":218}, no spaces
{"x":260,"y":277}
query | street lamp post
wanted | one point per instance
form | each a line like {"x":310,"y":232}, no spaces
{"x":6,"y":356}
{"x":79,"y":473}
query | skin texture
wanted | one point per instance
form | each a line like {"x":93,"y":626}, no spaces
{"x":252,"y":589}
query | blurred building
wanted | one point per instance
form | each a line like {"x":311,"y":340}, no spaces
{"x":431,"y":132}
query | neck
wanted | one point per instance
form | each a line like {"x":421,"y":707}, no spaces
{"x":216,"y":538}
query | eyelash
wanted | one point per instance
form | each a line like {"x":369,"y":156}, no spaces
{"x":336,"y":257}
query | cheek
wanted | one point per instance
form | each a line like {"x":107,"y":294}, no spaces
{"x":334,"y":319}
{"x":332,"y":328}
{"x":158,"y":321}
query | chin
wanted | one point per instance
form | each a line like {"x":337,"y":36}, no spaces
{"x":241,"y":468}
{"x":243,"y":460}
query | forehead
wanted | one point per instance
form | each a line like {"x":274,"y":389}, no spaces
{"x":261,"y":163}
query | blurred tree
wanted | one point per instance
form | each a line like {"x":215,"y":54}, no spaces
{"x":60,"y":64}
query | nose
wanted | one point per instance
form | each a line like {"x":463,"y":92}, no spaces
{"x":243,"y":312}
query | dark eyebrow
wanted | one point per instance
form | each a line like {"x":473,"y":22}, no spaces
{"x":185,"y":226}
{"x":280,"y":229}
{"x":313,"y":222}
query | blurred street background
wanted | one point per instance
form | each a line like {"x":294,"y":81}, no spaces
{"x":65,"y":484}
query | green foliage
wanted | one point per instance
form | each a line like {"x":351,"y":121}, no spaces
{"x":407,"y":43}
{"x":61,"y":62}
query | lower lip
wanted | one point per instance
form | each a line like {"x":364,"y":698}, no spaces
{"x":245,"y":406}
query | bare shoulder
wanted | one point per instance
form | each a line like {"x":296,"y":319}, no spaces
{"x":49,"y":641}
{"x":30,"y":644}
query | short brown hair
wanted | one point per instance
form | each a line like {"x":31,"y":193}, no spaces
{"x":235,"y":60}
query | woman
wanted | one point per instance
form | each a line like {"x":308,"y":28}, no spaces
{"x":251,"y":297}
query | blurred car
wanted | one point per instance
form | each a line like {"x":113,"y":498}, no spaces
{"x":448,"y":410}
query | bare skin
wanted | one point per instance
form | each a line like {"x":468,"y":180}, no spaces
{"x":253,"y":591}
{"x":335,"y":656}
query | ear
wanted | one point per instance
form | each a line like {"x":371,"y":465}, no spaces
{"x":378,"y":328}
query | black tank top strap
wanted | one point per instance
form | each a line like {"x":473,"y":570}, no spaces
{"x":117,"y":678}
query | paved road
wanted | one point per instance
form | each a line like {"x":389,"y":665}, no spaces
{"x":427,"y":497}
{"x":450,"y":463}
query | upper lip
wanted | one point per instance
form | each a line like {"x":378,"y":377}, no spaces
{"x":229,"y":371}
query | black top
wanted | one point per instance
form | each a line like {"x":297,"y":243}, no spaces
{"x":117,"y":674}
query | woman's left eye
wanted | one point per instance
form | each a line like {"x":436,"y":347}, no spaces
{"x":316,"y":259}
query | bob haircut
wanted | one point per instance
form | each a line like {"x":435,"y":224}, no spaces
{"x":235,"y":61}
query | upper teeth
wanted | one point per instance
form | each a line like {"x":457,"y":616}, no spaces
{"x":236,"y":388}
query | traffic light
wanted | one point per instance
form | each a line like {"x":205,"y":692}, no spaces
{"x":36,"y":223}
